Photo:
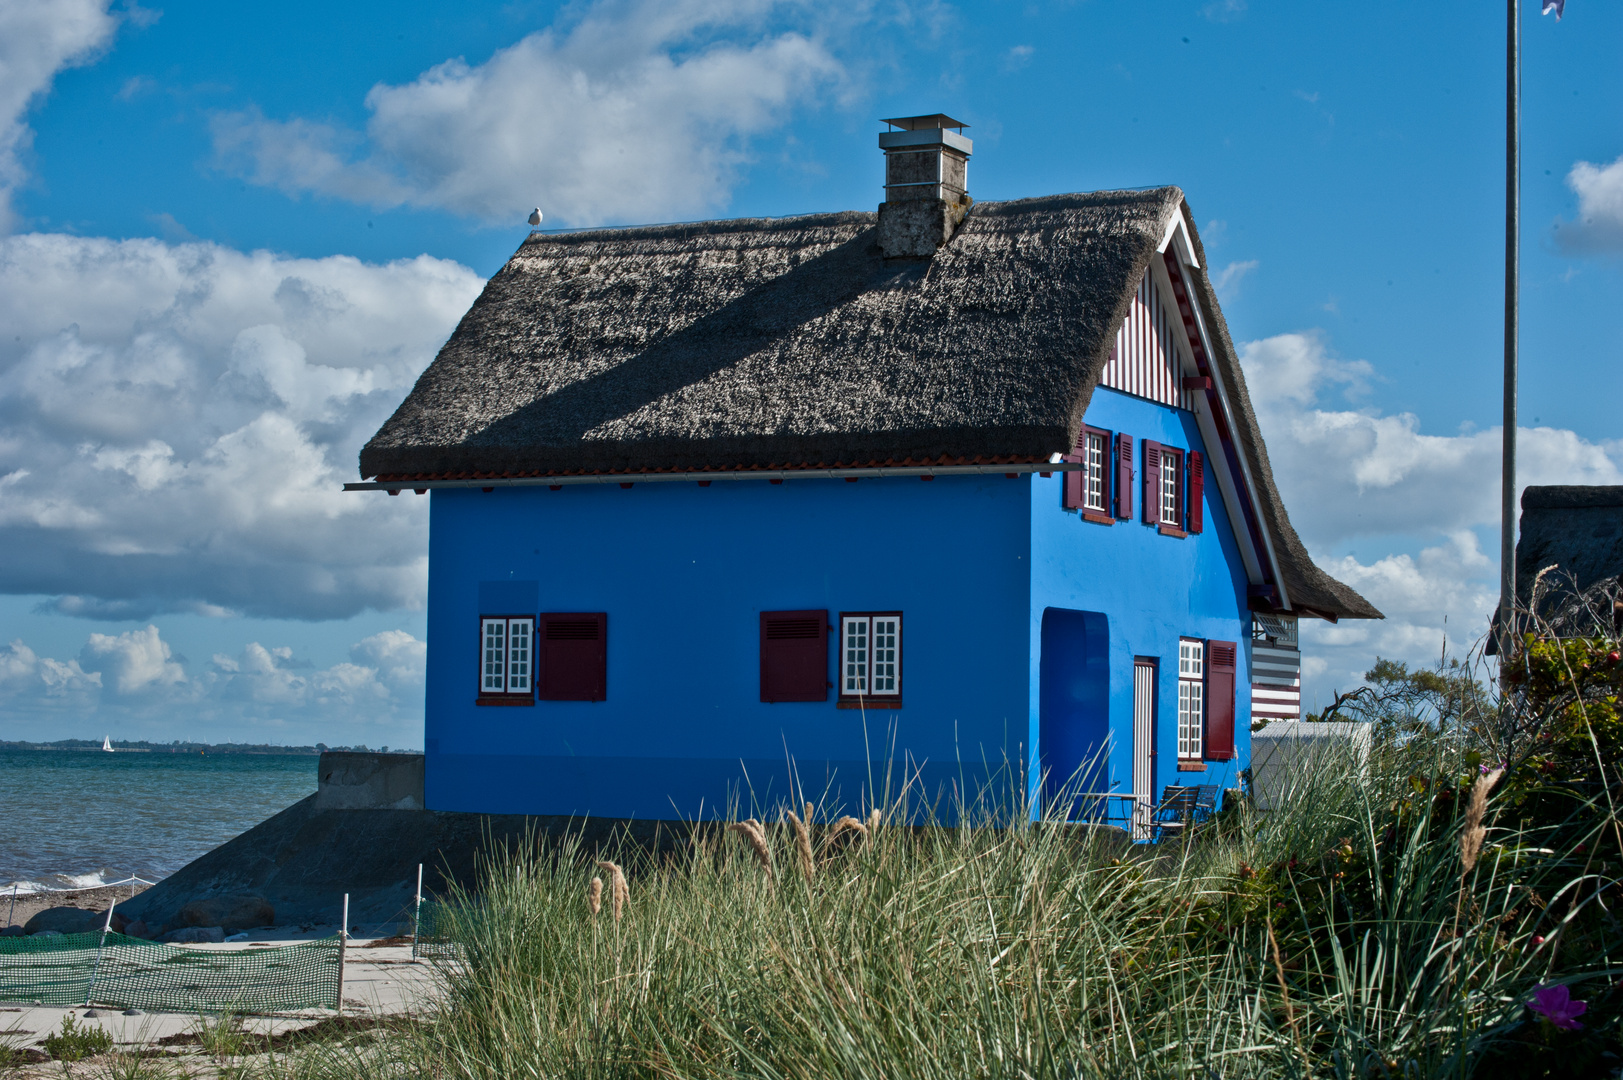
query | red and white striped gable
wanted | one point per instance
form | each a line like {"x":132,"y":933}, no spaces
{"x":1149,"y":359}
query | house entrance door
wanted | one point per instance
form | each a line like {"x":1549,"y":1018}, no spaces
{"x":1143,"y":745}
{"x":1074,"y":711}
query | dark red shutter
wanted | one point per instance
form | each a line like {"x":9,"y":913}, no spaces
{"x":572,"y":661}
{"x":794,"y":656}
{"x":1152,"y":482}
{"x":1073,"y":481}
{"x":1197,"y":489}
{"x":1221,"y":657}
{"x":1124,"y":476}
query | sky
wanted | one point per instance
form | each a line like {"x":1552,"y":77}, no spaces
{"x":231,"y":238}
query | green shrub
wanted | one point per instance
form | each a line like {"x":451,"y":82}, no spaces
{"x":75,"y":1042}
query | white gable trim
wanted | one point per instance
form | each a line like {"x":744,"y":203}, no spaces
{"x":1178,"y":230}
{"x":1253,"y":559}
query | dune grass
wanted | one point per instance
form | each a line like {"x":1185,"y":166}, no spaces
{"x":1394,"y":916}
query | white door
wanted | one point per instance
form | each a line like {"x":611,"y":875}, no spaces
{"x":1143,"y":745}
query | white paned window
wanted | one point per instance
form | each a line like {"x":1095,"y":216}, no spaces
{"x":854,"y":656}
{"x":520,"y":638}
{"x":1171,"y":477}
{"x":1096,"y":455}
{"x":1191,"y":696}
{"x":506,"y":661}
{"x":871,"y":656}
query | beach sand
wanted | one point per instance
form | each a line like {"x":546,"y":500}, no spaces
{"x":30,"y":904}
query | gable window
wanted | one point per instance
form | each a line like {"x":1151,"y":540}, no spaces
{"x":572,"y":656}
{"x":506,"y":665}
{"x":1171,"y":487}
{"x":1088,"y":489}
{"x":1191,"y":698}
{"x":1096,"y":455}
{"x":871,"y":660}
{"x":1165,"y":492}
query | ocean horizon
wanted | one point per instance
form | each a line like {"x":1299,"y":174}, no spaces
{"x":77,"y":818}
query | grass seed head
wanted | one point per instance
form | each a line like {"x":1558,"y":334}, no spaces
{"x":1472,"y":835}
{"x":850,"y":824}
{"x":803,"y":847}
{"x":594,"y":896}
{"x":755,"y":837}
{"x":874,"y":817}
{"x":619,"y":891}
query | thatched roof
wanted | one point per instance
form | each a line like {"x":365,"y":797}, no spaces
{"x":793,"y":342}
{"x":1576,"y":530}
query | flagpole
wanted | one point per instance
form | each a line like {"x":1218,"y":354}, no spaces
{"x":1513,"y":171}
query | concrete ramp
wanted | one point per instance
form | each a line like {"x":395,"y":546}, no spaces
{"x":355,"y":835}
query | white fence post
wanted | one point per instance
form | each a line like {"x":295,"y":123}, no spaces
{"x":417,"y":916}
{"x":96,"y":971}
{"x":343,"y":949}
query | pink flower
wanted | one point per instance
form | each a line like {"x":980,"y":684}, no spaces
{"x":1555,"y":1004}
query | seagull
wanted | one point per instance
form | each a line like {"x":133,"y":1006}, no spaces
{"x":535,"y":216}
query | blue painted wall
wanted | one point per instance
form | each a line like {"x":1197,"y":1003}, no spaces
{"x":683,"y":573}
{"x":973,"y":563}
{"x":1153,"y":589}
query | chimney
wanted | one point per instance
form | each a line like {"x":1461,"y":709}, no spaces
{"x":926,"y":173}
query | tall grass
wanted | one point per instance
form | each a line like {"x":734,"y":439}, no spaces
{"x":1338,"y":936}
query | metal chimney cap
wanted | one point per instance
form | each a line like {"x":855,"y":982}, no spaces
{"x":921,"y":123}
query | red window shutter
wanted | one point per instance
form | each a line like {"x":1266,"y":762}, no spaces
{"x":1221,"y":657}
{"x":794,"y":656}
{"x":1152,"y":482}
{"x":572,"y":662}
{"x":1197,"y":489}
{"x":1075,"y":479}
{"x":1124,"y":476}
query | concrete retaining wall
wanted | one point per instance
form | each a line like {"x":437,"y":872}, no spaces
{"x":356,"y":781}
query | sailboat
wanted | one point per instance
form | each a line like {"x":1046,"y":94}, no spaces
{"x":107,"y":744}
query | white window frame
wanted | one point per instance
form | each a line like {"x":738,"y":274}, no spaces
{"x":1096,"y":456}
{"x":1191,"y":698}
{"x":1170,"y":490}
{"x":506,"y":655}
{"x":871,"y":655}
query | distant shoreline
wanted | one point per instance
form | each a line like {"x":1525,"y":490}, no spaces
{"x":141,"y":746}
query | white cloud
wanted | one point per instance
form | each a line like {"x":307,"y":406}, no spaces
{"x":1599,"y":226}
{"x":44,"y":681}
{"x":38,"y":38}
{"x":136,"y":675}
{"x":638,"y":110}
{"x":137,"y":660}
{"x":1410,"y":507}
{"x":176,"y":422}
{"x":1224,"y":10}
{"x":1227,"y":282}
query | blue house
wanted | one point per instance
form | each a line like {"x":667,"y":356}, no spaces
{"x":954,"y":495}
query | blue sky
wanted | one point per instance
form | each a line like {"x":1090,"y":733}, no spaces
{"x":231,"y":240}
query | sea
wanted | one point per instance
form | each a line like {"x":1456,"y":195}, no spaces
{"x":73,"y":819}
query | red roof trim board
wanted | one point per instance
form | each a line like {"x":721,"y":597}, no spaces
{"x":1225,"y":437}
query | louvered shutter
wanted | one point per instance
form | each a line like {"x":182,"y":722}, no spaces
{"x":572,"y":657}
{"x":1197,"y":489}
{"x":794,"y":656}
{"x":1221,"y":658}
{"x":1074,"y":480}
{"x":1152,"y":482}
{"x":1124,"y":476}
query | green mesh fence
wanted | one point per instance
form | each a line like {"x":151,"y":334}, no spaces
{"x":433,"y":938}
{"x":130,"y":973}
